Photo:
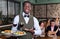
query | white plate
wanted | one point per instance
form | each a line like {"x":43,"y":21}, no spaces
{"x":6,"y":33}
{"x":13,"y":34}
{"x":19,"y":34}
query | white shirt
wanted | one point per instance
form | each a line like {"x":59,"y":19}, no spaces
{"x":36,"y":24}
{"x":52,"y":28}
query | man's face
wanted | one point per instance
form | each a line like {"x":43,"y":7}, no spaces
{"x":27,"y":8}
{"x":52,"y":23}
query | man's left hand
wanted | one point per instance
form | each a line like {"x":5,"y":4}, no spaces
{"x":31,"y":30}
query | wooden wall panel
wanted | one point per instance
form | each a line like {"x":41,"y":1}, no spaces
{"x":53,"y":10}
{"x":40,"y":11}
{"x":49,"y":11}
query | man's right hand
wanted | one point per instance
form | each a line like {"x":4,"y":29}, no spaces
{"x":26,"y":29}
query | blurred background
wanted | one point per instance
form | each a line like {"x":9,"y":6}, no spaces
{"x":42,"y":9}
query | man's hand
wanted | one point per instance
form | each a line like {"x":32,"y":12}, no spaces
{"x":26,"y":29}
{"x":31,"y":30}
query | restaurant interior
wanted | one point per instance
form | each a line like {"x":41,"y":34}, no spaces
{"x":43,"y":10}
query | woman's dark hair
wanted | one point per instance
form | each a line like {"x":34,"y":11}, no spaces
{"x":26,"y":2}
{"x":40,"y":22}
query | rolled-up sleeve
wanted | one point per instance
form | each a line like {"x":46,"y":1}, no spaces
{"x":15,"y":21}
{"x":37,"y":27}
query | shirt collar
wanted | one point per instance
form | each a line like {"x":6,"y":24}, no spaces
{"x":25,"y":13}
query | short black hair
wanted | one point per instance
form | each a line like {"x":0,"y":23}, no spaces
{"x":26,"y":2}
{"x":52,"y":21}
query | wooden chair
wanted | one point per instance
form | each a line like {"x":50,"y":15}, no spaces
{"x":3,"y":37}
{"x":1,"y":22}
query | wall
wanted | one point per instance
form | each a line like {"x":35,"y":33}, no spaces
{"x":47,"y":10}
{"x":40,"y":11}
{"x":45,"y":1}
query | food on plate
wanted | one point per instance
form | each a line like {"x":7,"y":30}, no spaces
{"x":7,"y":31}
{"x":19,"y":32}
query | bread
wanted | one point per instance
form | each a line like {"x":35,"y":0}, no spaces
{"x":7,"y":31}
{"x":21,"y":32}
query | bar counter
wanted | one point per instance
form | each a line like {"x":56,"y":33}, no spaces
{"x":5,"y":27}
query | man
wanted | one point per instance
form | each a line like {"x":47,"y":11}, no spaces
{"x":31,"y":25}
{"x":52,"y":29}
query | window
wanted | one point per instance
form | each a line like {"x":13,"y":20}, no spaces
{"x":8,"y":9}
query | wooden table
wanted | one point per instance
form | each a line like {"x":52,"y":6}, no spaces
{"x":3,"y":37}
{"x":57,"y":37}
{"x":44,"y":38}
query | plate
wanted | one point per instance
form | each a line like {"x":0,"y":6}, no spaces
{"x":20,"y":33}
{"x":5,"y":33}
{"x":11,"y":33}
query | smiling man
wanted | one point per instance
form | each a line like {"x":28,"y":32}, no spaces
{"x":30,"y":23}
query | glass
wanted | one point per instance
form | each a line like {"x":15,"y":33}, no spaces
{"x":59,"y":28}
{"x":21,"y":24}
{"x":14,"y":25}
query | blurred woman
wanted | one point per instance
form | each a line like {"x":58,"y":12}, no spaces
{"x":42,"y":26}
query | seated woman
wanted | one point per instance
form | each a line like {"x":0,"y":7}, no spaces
{"x":41,"y":24}
{"x":52,"y":29}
